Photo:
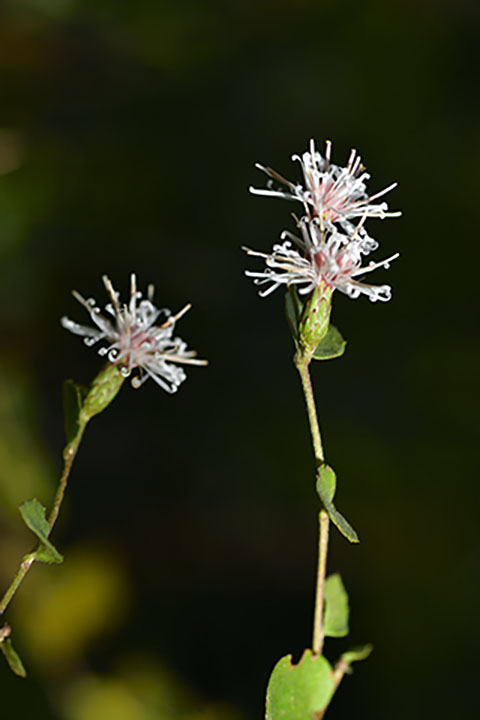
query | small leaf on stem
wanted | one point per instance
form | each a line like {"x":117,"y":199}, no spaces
{"x":357,"y":653}
{"x":73,"y":397}
{"x":326,"y":486}
{"x":293,"y":311}
{"x":33,"y":514}
{"x":332,"y":346}
{"x":298,"y":692}
{"x":336,"y":609}
{"x":13,"y":658}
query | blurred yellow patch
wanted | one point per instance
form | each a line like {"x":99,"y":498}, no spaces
{"x":142,"y":689}
{"x":70,"y":606}
{"x":92,"y":697}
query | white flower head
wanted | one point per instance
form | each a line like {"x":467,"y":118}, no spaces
{"x":134,"y":340}
{"x":325,"y":255}
{"x":332,"y":193}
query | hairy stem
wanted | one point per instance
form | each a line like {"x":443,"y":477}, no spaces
{"x":27,"y":562}
{"x":302,"y":366}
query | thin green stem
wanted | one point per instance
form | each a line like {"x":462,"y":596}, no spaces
{"x":318,"y":636}
{"x":24,"y":567}
{"x":68,"y":456}
{"x":302,"y":367}
{"x":27,"y":562}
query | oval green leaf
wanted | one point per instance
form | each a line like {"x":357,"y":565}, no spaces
{"x":297,"y":692}
{"x":332,"y":346}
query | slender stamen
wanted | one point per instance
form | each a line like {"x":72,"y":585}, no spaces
{"x":328,"y":152}
{"x":112,"y":293}
{"x":359,"y":225}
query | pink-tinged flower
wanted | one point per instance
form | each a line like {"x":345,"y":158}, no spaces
{"x":324,"y":255}
{"x":134,"y":340}
{"x":332,"y":193}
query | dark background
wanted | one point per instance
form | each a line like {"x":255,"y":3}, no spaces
{"x":128,"y":134}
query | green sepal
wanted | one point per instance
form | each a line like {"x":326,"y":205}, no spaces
{"x":73,"y":397}
{"x":356,"y":654}
{"x":332,"y":346}
{"x":13,"y":658}
{"x":326,"y":486}
{"x":33,"y":514}
{"x":336,"y":610}
{"x":298,"y":692}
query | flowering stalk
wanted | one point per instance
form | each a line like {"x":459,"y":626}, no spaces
{"x":134,"y":342}
{"x":328,"y":255}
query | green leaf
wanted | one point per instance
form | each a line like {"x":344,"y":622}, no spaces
{"x":13,"y":658}
{"x":73,"y":397}
{"x":293,"y":311}
{"x":356,"y":654}
{"x":33,"y":514}
{"x":297,"y":692}
{"x":326,"y":485}
{"x":332,"y":345}
{"x":336,"y":612}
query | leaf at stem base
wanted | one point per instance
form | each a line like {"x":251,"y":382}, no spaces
{"x":298,"y":692}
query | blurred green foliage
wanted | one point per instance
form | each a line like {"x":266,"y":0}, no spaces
{"x":128,"y":133}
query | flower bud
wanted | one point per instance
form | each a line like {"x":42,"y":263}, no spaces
{"x":315,"y":319}
{"x":102,"y":391}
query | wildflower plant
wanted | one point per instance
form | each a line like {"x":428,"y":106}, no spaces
{"x":327,"y":253}
{"x":138,"y":341}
